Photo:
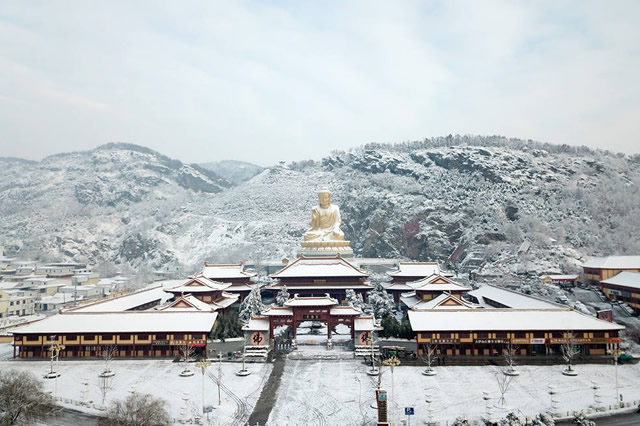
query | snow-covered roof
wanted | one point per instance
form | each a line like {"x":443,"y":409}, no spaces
{"x":128,"y":301}
{"x":227,"y":300}
{"x":199,"y":284}
{"x":311,"y":301}
{"x":320,"y":267}
{"x":613,"y":262}
{"x":188,"y":303}
{"x":257,"y":324}
{"x":364,"y":285}
{"x":344,"y":310}
{"x":561,"y":277}
{"x":416,"y":269}
{"x":365,"y":324}
{"x":437,"y":283}
{"x":277,"y":311}
{"x":506,"y":319}
{"x":78,"y":287}
{"x":511,"y":299}
{"x":240,"y":287}
{"x":443,"y":301}
{"x":123,"y":322}
{"x":409,"y":299}
{"x":224,"y":272}
{"x":625,"y":279}
{"x":397,"y":287}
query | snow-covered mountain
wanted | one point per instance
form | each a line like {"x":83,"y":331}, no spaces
{"x":235,"y":172}
{"x":473,"y":200}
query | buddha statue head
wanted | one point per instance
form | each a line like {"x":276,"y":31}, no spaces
{"x":324,"y":197}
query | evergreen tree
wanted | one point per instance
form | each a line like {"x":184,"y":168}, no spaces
{"x":228,"y":326}
{"x":381,"y":302}
{"x":390,"y":327}
{"x":282,"y":296}
{"x":252,"y":305}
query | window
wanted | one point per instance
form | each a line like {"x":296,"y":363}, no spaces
{"x":107,"y":337}
{"x":90,"y":337}
{"x":178,"y":336}
{"x":125,"y":337}
{"x":32,"y":338}
{"x":143,"y":336}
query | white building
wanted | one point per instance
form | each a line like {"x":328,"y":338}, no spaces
{"x":21,"y":302}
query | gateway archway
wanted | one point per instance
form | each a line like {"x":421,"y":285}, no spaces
{"x":312,"y":320}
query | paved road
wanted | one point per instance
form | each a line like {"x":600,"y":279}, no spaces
{"x":71,"y":417}
{"x":620,"y":420}
{"x":632,"y":419}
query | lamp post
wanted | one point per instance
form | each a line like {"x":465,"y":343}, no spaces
{"x":219,"y":378}
{"x":392,"y":362}
{"x":616,"y":352}
{"x":202,"y":365}
{"x":54,"y":348}
{"x":244,"y":372}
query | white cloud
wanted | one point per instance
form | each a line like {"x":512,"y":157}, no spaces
{"x":264,"y":82}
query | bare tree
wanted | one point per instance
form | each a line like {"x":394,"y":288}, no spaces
{"x":509,"y":354}
{"x":137,"y":410}
{"x":108,"y":353}
{"x":428,"y":352}
{"x":104,"y":385}
{"x":186,"y":352}
{"x":503,"y":385}
{"x":22,"y":399}
{"x":569,"y":351}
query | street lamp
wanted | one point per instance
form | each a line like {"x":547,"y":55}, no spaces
{"x":244,"y":372}
{"x":54,"y":348}
{"x":616,"y":352}
{"x":202,"y":365}
{"x":392,"y":362}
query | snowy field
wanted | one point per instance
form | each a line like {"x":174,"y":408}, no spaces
{"x":340,"y":392}
{"x":160,"y":378}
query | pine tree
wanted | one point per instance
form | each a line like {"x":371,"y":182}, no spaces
{"x":282,"y":296}
{"x":252,"y":305}
{"x":381,"y":302}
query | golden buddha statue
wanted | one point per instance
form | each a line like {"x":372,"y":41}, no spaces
{"x":325,"y":220}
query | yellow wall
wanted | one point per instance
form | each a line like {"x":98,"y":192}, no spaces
{"x":608,"y":273}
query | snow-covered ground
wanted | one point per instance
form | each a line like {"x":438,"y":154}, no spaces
{"x":160,"y":378}
{"x":339,"y":392}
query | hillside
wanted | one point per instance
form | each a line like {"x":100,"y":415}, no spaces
{"x":473,"y":200}
{"x":235,"y":172}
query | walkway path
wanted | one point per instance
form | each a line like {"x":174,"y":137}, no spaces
{"x":269,"y":394}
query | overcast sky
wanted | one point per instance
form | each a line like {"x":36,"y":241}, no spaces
{"x":288,"y":80}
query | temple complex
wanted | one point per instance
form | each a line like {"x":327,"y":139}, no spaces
{"x":453,"y":318}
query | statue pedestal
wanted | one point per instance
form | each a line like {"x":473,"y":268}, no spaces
{"x":325,"y":249}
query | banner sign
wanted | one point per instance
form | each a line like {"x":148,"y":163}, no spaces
{"x":257,"y":339}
